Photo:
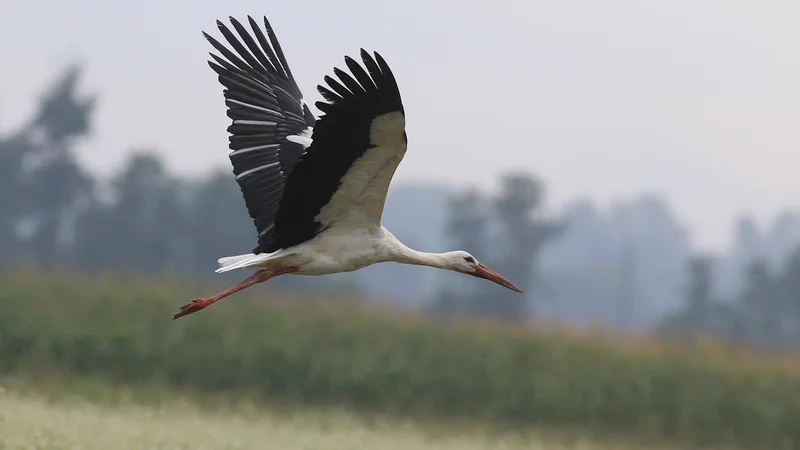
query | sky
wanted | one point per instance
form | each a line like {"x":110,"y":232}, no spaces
{"x":696,"y":100}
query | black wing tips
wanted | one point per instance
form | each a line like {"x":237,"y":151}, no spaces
{"x":277,"y":46}
{"x":377,"y":84}
{"x":258,"y":54}
{"x":255,"y":54}
{"x":265,"y":105}
{"x":258,"y":83}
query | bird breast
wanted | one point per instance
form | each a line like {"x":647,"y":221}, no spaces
{"x":336,"y":251}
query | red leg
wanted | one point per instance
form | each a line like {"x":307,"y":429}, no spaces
{"x":258,"y":277}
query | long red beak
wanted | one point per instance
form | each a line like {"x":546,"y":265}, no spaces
{"x":489,"y":274}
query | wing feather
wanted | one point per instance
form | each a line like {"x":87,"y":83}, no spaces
{"x":265,"y":107}
{"x":356,"y":147}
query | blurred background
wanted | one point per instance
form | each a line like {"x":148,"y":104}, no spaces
{"x":630,"y":166}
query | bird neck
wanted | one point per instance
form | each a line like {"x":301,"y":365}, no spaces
{"x":401,"y":253}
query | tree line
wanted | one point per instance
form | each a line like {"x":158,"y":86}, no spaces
{"x":144,"y":219}
{"x":764,"y":314}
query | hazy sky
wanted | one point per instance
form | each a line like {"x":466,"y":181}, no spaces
{"x":699,"y":100}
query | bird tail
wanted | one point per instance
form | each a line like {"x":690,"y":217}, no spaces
{"x":229,"y":263}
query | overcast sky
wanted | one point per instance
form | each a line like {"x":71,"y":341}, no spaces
{"x":698,"y":100}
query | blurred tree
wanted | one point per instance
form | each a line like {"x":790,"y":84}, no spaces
{"x":143,"y":228}
{"x":144,"y":219}
{"x":758,"y":313}
{"x":466,"y":226}
{"x":520,"y":232}
{"x":60,"y":190}
{"x":525,"y":231}
{"x":63,"y":115}
{"x":748,"y":243}
{"x":625,"y":304}
{"x":786,"y":303}
{"x":49,"y":187}
{"x":13,"y":198}
{"x":217,"y":221}
{"x":694,"y":317}
{"x":698,"y":295}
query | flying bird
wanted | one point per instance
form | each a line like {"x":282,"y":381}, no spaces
{"x":314,"y":187}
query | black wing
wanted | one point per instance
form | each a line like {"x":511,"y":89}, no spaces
{"x":285,"y":185}
{"x":265,"y":106}
{"x":357,"y":145}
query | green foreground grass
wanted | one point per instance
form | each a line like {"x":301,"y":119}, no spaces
{"x":63,"y":419}
{"x":330,"y":354}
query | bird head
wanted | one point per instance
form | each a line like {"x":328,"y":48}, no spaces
{"x":463,"y":262}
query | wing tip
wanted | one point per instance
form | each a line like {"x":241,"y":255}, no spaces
{"x":268,"y":25}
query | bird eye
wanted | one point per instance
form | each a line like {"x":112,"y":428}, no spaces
{"x":470,"y":259}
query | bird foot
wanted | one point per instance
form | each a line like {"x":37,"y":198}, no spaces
{"x":191,"y":307}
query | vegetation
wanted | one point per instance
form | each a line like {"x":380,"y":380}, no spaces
{"x":622,"y":266}
{"x":330,"y":353}
{"x":34,"y":421}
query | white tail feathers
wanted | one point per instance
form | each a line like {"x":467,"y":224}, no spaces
{"x":229,"y":263}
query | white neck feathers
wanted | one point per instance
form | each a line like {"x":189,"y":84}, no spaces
{"x":396,"y":251}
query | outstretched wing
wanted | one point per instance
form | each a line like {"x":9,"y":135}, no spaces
{"x":356,"y":146}
{"x":300,"y":177}
{"x":266,"y":107}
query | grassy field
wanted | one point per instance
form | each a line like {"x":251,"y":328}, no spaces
{"x":29,"y":421}
{"x":323,"y":353}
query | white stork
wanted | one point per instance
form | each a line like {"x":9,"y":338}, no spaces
{"x":315,"y":188}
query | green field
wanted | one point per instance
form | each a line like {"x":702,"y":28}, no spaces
{"x":34,"y":422}
{"x":401,"y":367}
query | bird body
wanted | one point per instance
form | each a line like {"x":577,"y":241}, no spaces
{"x":345,"y":250}
{"x":315,"y":188}
{"x":332,"y":251}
